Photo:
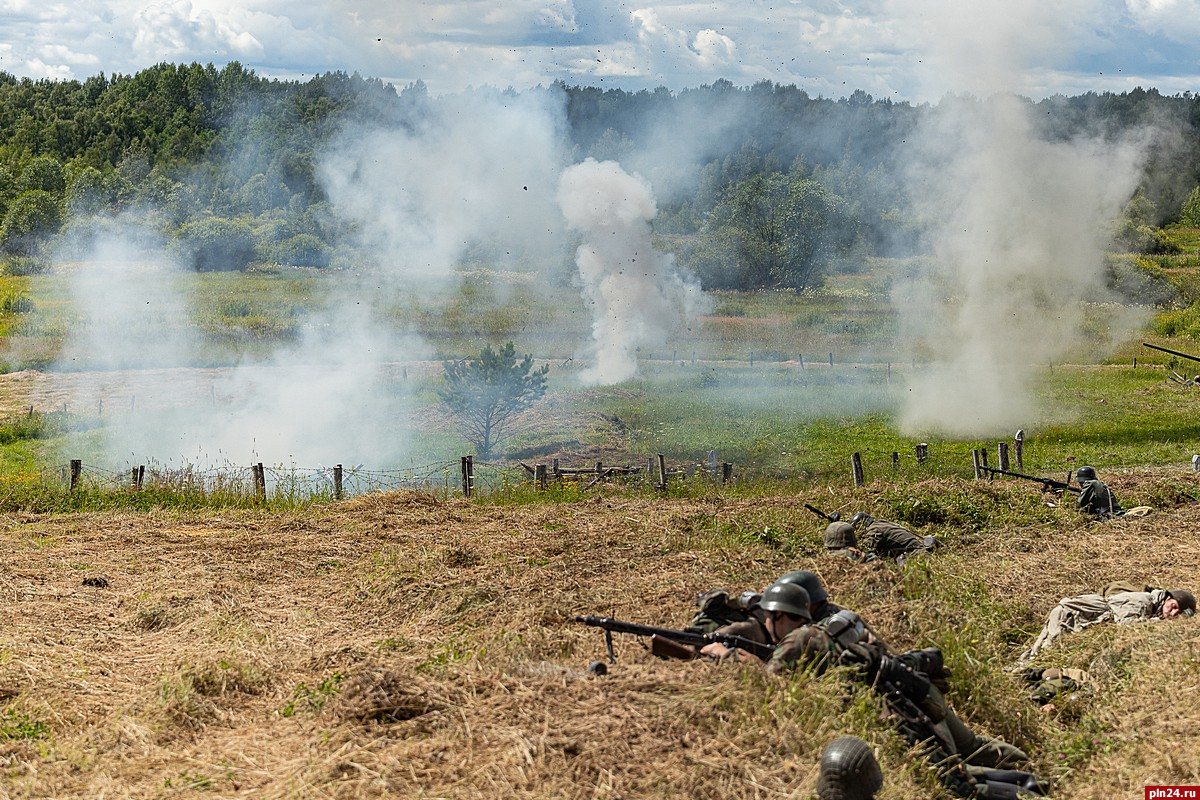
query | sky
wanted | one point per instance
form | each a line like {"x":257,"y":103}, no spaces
{"x":897,"y":49}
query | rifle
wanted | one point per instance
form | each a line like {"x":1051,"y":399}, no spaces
{"x":1047,"y":483}
{"x":611,"y":626}
{"x":834,"y":517}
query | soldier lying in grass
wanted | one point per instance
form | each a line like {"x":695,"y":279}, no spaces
{"x":1073,"y":614}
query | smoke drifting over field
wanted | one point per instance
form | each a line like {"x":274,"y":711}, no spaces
{"x":635,"y":294}
{"x":481,"y":178}
{"x":1017,"y":226}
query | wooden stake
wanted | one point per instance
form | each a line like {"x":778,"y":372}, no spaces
{"x":337,"y":481}
{"x":856,"y":469}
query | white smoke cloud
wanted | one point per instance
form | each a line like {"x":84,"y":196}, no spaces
{"x":635,"y":294}
{"x":483,"y":171}
{"x":1019,"y":225}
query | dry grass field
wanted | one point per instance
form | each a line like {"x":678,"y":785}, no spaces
{"x":395,"y":645}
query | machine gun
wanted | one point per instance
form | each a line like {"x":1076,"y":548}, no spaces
{"x":663,"y":639}
{"x":1168,"y":350}
{"x":1047,"y":483}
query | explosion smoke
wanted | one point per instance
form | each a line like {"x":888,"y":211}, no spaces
{"x":1017,"y":228}
{"x":635,"y":294}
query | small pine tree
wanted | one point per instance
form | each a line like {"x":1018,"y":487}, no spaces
{"x":487,"y":391}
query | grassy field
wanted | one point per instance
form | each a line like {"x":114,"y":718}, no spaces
{"x":178,"y":642}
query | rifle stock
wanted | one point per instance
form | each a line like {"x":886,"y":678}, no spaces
{"x":697,"y":640}
{"x":1047,"y":483}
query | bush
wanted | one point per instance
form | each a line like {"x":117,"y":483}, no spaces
{"x":215,"y":245}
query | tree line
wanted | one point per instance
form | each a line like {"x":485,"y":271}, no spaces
{"x":763,"y":186}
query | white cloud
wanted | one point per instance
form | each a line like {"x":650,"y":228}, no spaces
{"x":1177,"y":20}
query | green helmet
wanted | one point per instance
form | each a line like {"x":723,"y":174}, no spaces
{"x":849,"y":771}
{"x":1085,"y":474}
{"x":788,"y":598}
{"x":839,"y":535}
{"x":810,"y":581}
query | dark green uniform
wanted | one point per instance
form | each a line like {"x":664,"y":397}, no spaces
{"x":889,"y":540}
{"x":966,"y":760}
{"x":1096,"y":498}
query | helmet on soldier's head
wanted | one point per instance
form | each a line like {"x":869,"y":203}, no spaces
{"x":788,"y":598}
{"x":810,"y":581}
{"x":1085,"y":474}
{"x":839,"y":535}
{"x":860,"y":518}
{"x":849,"y":771}
{"x":1186,"y":600}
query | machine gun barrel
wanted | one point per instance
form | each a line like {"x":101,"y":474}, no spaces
{"x":1169,"y":350}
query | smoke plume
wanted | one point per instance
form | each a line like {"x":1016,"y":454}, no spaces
{"x":1017,"y":226}
{"x":635,"y":294}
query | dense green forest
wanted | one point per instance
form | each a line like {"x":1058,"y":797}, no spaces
{"x":774,"y":188}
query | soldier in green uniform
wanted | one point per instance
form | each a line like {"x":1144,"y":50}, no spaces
{"x":887,"y":539}
{"x":972,"y":765}
{"x":1094,"y":495}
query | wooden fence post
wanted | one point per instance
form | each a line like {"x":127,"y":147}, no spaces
{"x":337,"y":481}
{"x":539,"y":476}
{"x":468,"y":474}
{"x":983,"y":462}
{"x":922,"y":452}
{"x":801,"y":357}
{"x":141,"y":475}
{"x":726,"y":472}
{"x":662,"y":472}
{"x":975,"y":462}
{"x":895,"y":461}
{"x":1002,"y":448}
{"x":1019,"y":440}
{"x":831,"y":359}
{"x":260,"y":482}
{"x":856,"y":469}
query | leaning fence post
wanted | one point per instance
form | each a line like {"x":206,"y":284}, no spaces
{"x":1002,"y":448}
{"x":337,"y":481}
{"x":975,"y":462}
{"x":76,"y":469}
{"x":141,"y":474}
{"x":260,"y":482}
{"x":1019,"y":440}
{"x":856,"y":469}
{"x":662,"y":472}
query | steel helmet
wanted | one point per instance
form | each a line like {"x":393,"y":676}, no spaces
{"x":810,"y":581}
{"x":849,"y":771}
{"x":1186,"y":600}
{"x":839,"y":535}
{"x":1085,"y":474}
{"x":788,"y":598}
